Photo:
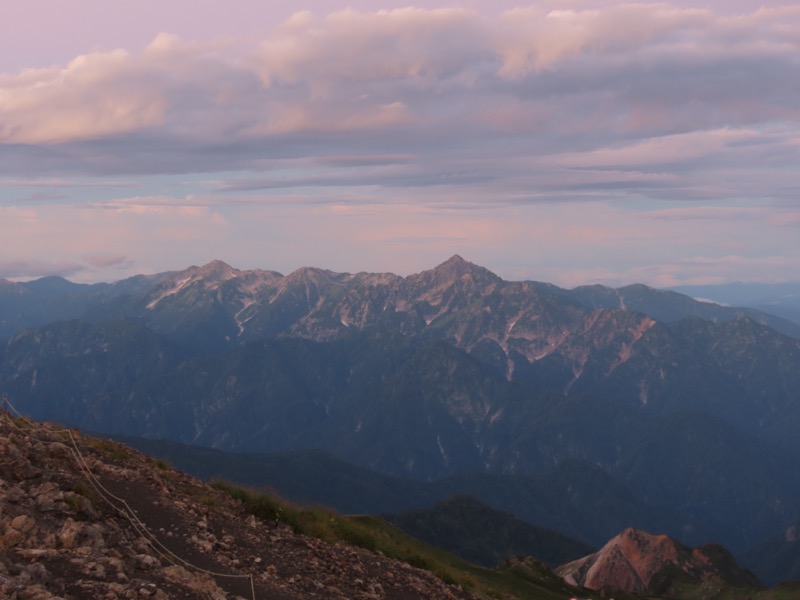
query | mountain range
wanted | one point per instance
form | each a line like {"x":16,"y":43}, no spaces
{"x":645,"y":407}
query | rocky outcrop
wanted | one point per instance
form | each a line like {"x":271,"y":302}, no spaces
{"x":88,"y":518}
{"x":639,"y":562}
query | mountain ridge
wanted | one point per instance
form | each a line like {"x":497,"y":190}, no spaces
{"x":385,"y":288}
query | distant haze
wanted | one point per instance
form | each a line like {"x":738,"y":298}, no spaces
{"x":779,"y":299}
{"x":569,"y":141}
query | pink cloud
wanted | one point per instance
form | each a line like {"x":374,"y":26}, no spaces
{"x":682,"y":147}
{"x":86,"y":99}
{"x":705,"y":213}
{"x":355,"y":70}
{"x":534,"y":38}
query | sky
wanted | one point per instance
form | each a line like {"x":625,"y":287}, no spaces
{"x":568,"y":141}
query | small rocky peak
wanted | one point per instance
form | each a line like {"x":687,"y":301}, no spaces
{"x":310,"y":282}
{"x":631,"y":560}
{"x":207,"y":277}
{"x":455,"y":264}
{"x":308,"y":275}
{"x":216,"y":270}
{"x":456,"y":268}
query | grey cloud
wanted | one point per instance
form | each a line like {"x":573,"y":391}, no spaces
{"x":437,"y":98}
{"x":102,"y":261}
{"x":416,"y":178}
{"x":36,"y":197}
{"x":366,"y":160}
{"x":30,"y":269}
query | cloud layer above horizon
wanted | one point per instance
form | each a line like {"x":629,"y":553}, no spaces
{"x":573,"y":142}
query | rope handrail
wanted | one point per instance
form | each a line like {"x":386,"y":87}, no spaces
{"x":127,"y":512}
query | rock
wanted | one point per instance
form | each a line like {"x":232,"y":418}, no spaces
{"x":147,"y":561}
{"x":36,"y":553}
{"x":36,"y":592}
{"x":791,"y":534}
{"x":33,"y":574}
{"x":18,"y":531}
{"x":23,"y":523}
{"x":201,"y":584}
{"x":69,"y":534}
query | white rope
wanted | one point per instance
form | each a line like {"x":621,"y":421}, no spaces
{"x":128,"y":512}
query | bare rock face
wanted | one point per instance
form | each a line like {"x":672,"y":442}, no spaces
{"x":636,"y":561}
{"x":87,"y":518}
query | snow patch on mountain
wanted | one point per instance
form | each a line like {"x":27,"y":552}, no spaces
{"x":177,"y":287}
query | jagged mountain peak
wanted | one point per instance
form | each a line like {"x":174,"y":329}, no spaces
{"x":457,"y":264}
{"x":314,"y":273}
{"x":212,"y":273}
{"x":456,"y":268}
{"x":456,"y":259}
{"x":209,"y":277}
{"x":217,"y":270}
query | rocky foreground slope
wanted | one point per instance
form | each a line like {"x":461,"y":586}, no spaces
{"x":87,"y":518}
{"x":82,"y":517}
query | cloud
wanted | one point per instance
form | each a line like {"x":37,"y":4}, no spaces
{"x":665,"y":150}
{"x":651,"y":87}
{"x":703,"y":270}
{"x":33,"y":269}
{"x":112,"y":237}
{"x":103,"y":95}
{"x":426,"y":47}
{"x":563,"y":124}
{"x":706,"y":213}
{"x":407,"y":178}
{"x":155,"y":205}
{"x":92,"y":97}
{"x":104,"y":261}
{"x":83,"y":267}
{"x":62,"y":183}
{"x":790,"y":217}
{"x":534,"y":39}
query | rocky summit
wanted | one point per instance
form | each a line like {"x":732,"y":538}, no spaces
{"x":639,"y":562}
{"x":82,"y":517}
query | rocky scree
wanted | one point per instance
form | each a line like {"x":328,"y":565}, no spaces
{"x":87,"y":518}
